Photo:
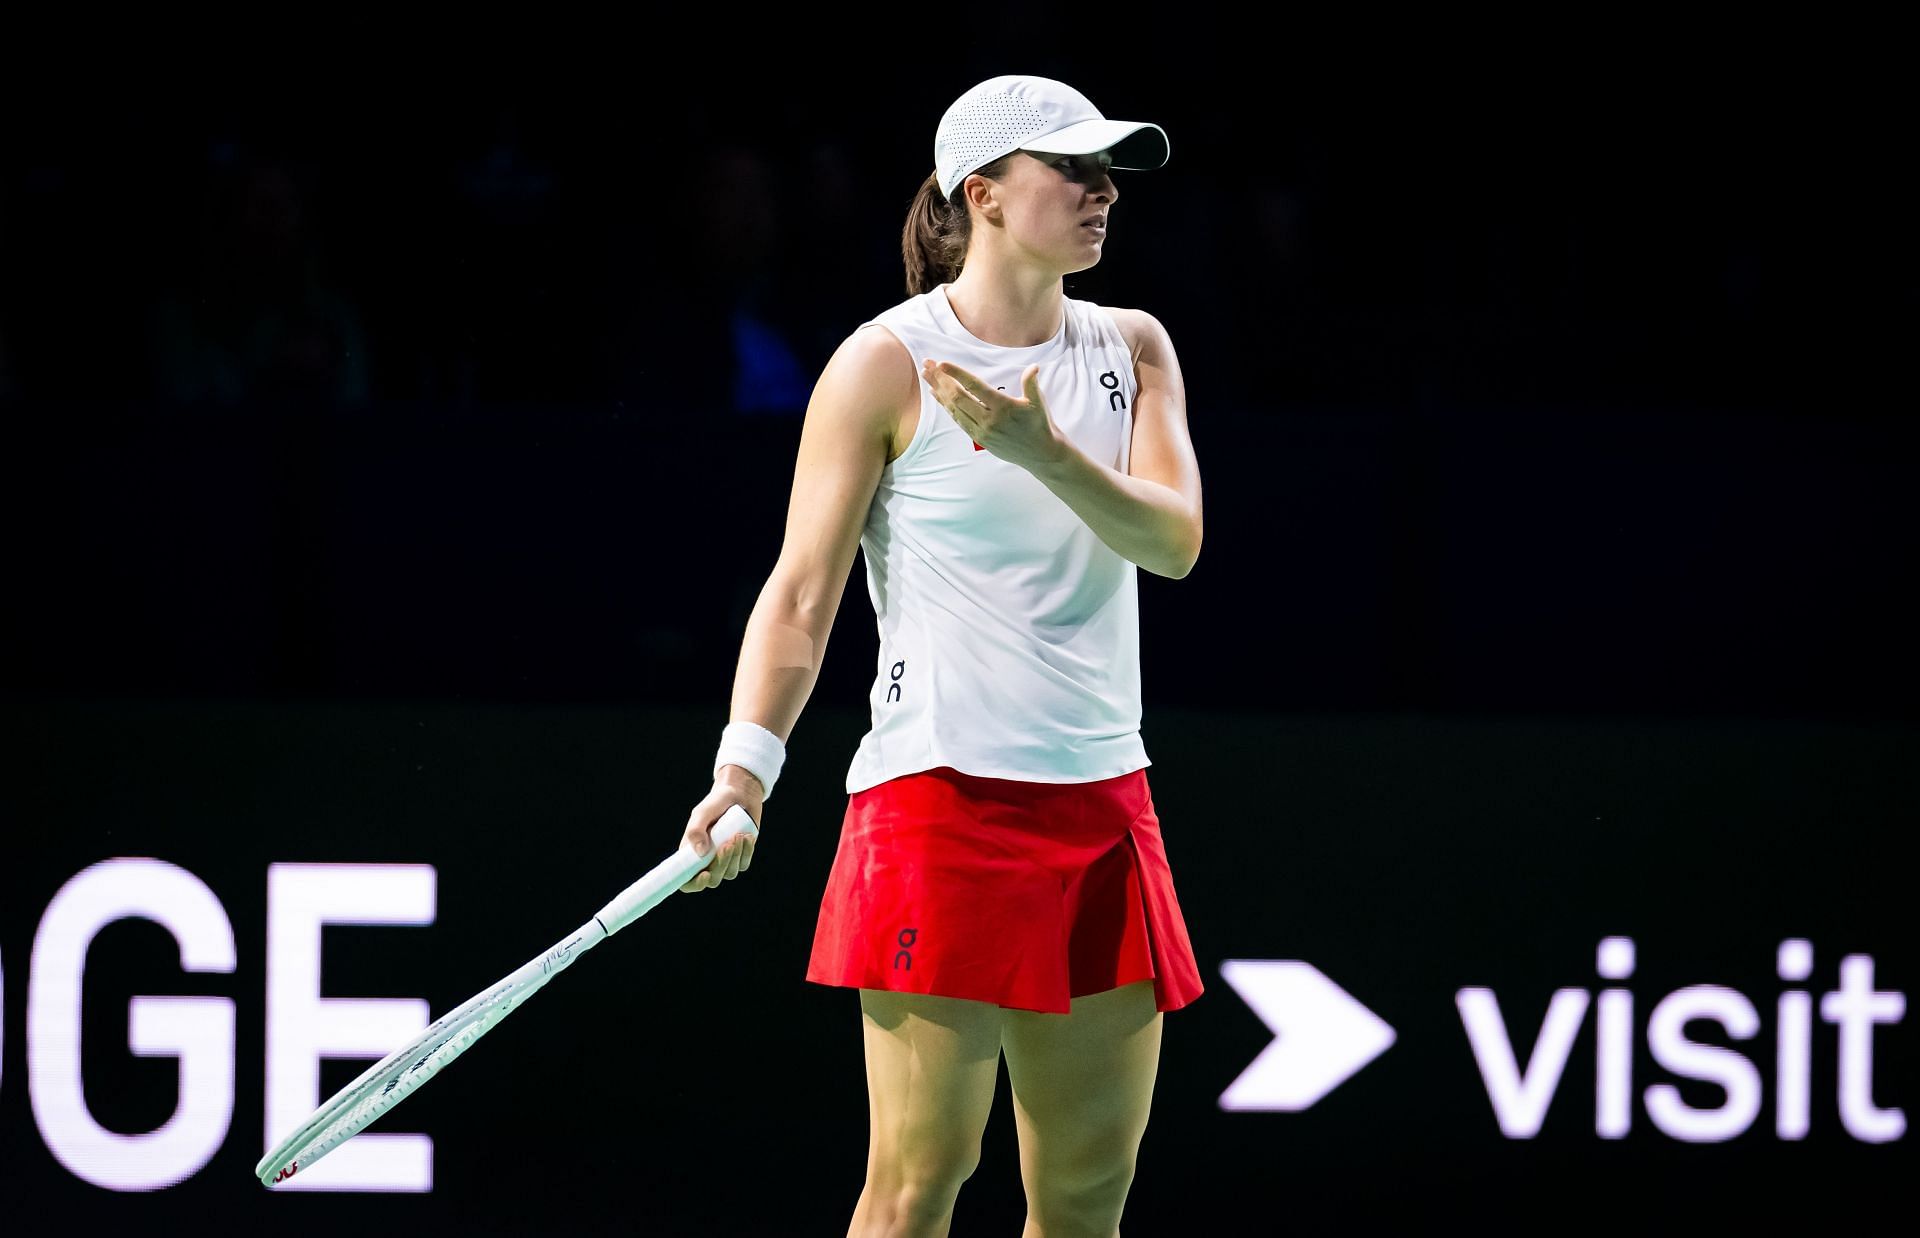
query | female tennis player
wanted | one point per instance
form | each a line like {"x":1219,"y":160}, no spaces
{"x":1004,"y":455}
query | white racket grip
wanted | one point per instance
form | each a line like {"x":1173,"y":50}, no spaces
{"x":672,"y":873}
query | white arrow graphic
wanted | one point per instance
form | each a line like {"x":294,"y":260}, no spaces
{"x":1321,"y":1035}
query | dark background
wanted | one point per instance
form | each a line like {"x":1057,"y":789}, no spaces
{"x":394,"y":452}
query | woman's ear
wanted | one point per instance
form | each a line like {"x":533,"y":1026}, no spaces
{"x":982,"y":195}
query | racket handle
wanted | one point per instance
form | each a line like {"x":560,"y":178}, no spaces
{"x":672,"y":873}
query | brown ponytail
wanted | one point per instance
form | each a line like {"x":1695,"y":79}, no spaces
{"x":934,"y":242}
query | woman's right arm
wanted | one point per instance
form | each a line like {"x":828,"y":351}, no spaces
{"x":845,"y":442}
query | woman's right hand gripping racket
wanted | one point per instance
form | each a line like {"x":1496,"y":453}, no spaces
{"x":732,"y":787}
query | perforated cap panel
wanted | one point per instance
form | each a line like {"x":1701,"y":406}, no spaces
{"x":984,"y":129}
{"x":1012,"y":111}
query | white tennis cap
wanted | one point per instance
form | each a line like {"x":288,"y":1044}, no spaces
{"x":1017,"y":112}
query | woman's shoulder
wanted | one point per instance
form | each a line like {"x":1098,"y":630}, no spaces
{"x":876,"y":353}
{"x":868,"y":385}
{"x":1136,"y":326}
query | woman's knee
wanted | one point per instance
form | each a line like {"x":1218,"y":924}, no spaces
{"x":913,"y":1188}
{"x":923,"y":1163}
{"x":1084,"y":1200}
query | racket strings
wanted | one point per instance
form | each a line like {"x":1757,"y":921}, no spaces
{"x":373,"y":1098}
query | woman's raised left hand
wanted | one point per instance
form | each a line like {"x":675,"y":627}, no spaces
{"x":1018,"y":431}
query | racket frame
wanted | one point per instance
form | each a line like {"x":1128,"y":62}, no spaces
{"x":395,"y":1077}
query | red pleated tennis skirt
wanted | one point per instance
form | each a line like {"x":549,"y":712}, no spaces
{"x":1023,"y":894}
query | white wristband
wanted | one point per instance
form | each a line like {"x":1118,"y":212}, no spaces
{"x":753,"y":748}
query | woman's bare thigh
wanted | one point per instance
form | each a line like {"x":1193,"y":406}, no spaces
{"x":932,"y":1063}
{"x":1082,"y":1088}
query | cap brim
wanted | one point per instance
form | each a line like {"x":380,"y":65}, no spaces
{"x":1137,"y":146}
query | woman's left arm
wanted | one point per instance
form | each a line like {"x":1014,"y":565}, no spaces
{"x":1149,"y":515}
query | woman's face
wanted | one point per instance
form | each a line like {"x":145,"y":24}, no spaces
{"x":1048,"y":202}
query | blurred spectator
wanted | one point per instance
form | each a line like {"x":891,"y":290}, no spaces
{"x":260,"y":319}
{"x":8,"y":383}
{"x":847,"y":268}
{"x":505,"y":327}
{"x":706,"y":320}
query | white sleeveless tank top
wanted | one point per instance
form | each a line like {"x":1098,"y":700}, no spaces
{"x":1009,"y":632}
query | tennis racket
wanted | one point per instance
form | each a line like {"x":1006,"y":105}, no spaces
{"x":394,"y":1077}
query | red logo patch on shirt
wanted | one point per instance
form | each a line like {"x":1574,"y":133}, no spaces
{"x":978,"y":447}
